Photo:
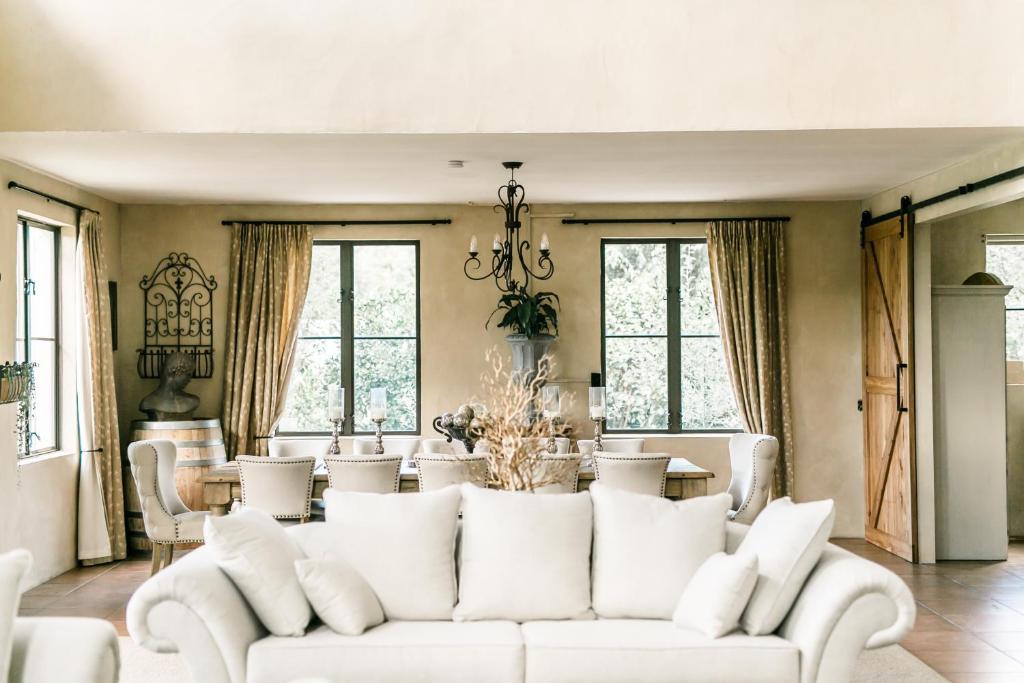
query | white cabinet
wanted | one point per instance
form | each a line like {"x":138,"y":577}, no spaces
{"x":969,"y":403}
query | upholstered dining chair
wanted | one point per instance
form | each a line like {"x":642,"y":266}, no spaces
{"x":316,"y":447}
{"x":442,"y":447}
{"x":281,"y":487}
{"x":752,"y":457}
{"x":165,"y":516}
{"x":640,"y":473}
{"x":612,"y":445}
{"x":562,"y":470}
{"x":438,"y":471}
{"x":405,"y":446}
{"x":376,"y":474}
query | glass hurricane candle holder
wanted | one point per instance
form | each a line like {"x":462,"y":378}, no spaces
{"x":336,"y":415}
{"x":379,"y":413}
{"x":598,"y":409}
{"x":552,"y":407}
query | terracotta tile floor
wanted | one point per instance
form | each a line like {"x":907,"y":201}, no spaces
{"x":970,"y":622}
{"x":970,"y":618}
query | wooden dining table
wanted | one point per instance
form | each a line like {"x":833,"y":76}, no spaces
{"x":221,"y":484}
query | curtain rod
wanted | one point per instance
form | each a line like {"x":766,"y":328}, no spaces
{"x":671,"y":221}
{"x":48,"y":197}
{"x":905,"y":207}
{"x":415,"y":221}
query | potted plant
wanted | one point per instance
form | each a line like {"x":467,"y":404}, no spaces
{"x":533,"y":321}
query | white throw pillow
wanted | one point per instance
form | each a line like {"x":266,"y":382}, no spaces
{"x":524,"y":556}
{"x":403,"y":544}
{"x":254,"y":550}
{"x":339,"y":595}
{"x":13,"y":567}
{"x":646,"y":549}
{"x":788,"y":540}
{"x":717,"y":594}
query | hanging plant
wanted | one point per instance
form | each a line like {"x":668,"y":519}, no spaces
{"x":18,"y":384}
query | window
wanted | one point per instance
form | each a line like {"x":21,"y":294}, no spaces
{"x":1004,"y":256}
{"x":37,"y":332}
{"x":663,"y":363}
{"x":359,"y":329}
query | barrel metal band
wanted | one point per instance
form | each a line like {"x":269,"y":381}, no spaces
{"x":222,"y":460}
{"x":201,"y":443}
{"x":180,"y":424}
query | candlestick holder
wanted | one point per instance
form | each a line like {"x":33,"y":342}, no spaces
{"x":598,"y":446}
{"x":552,"y":443}
{"x":335,"y":448}
{"x":379,"y":448}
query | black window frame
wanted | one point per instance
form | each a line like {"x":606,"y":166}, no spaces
{"x":347,"y":337}
{"x":673,"y":334}
{"x":25,"y":226}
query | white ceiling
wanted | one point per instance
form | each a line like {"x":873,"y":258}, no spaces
{"x":583,"y":167}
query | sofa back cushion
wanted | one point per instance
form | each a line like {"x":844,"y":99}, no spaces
{"x":403,"y":544}
{"x":788,"y":539}
{"x":13,"y":567}
{"x":255,"y":551}
{"x":524,"y":556}
{"x":647,"y":548}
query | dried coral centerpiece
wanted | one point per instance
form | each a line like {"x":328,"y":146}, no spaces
{"x":516,"y":439}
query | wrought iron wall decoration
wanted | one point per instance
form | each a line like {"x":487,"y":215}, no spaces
{"x":178,"y":310}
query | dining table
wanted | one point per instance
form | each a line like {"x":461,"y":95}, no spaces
{"x":222,"y":486}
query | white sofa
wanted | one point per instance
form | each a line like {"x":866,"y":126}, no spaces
{"x":847,"y":605}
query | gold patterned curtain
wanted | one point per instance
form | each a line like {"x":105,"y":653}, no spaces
{"x":748,"y":277}
{"x":269,"y":277}
{"x":101,"y":534}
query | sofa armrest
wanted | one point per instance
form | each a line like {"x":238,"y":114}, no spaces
{"x":847,"y":605}
{"x":65,"y":649}
{"x":192,"y":607}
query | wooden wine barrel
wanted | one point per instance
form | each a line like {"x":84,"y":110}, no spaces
{"x":200,"y":446}
{"x":138,"y":541}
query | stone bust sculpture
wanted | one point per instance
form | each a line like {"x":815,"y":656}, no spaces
{"x":170,"y":401}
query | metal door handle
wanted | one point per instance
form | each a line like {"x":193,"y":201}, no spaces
{"x":900,"y":407}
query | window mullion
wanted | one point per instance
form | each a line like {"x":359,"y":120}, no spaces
{"x":347,"y":332}
{"x":675,"y":420}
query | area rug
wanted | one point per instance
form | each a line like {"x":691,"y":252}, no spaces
{"x":893,"y":663}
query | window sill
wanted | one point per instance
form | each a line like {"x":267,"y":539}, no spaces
{"x":43,"y":457}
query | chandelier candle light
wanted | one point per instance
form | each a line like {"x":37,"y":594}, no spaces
{"x":597,"y":414}
{"x":336,"y":414}
{"x":379,"y":413}
{"x":552,"y":402}
{"x":512,"y":201}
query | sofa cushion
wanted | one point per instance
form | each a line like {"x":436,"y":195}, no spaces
{"x":716,"y":596}
{"x":646,"y":549}
{"x":653,"y":651}
{"x":788,"y":539}
{"x":524,"y":556}
{"x":255,"y":551}
{"x":339,"y":595}
{"x":13,"y":567}
{"x":403,"y":544}
{"x":395,"y":652}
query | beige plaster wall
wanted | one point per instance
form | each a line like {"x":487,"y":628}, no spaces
{"x":824,"y":313}
{"x":38,"y":497}
{"x":957,"y":247}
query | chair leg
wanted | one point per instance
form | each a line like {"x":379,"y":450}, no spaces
{"x":158,"y":551}
{"x":169,"y":548}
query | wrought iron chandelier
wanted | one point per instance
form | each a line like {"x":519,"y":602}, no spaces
{"x":512,"y":198}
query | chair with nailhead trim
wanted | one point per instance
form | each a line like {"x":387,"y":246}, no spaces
{"x":644,"y":473}
{"x":753,"y":467}
{"x":364,"y":473}
{"x":166,"y":518}
{"x":281,"y":487}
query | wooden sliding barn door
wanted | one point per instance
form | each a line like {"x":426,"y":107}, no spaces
{"x":890,"y":486}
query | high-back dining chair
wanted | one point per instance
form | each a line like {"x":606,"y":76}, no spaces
{"x":164,"y":515}
{"x":752,"y":457}
{"x":376,"y":474}
{"x":438,"y":471}
{"x":562,"y":469}
{"x":281,"y":487}
{"x":442,"y":447}
{"x":316,"y":447}
{"x":586,"y":446}
{"x":405,"y":446}
{"x":641,"y":473}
